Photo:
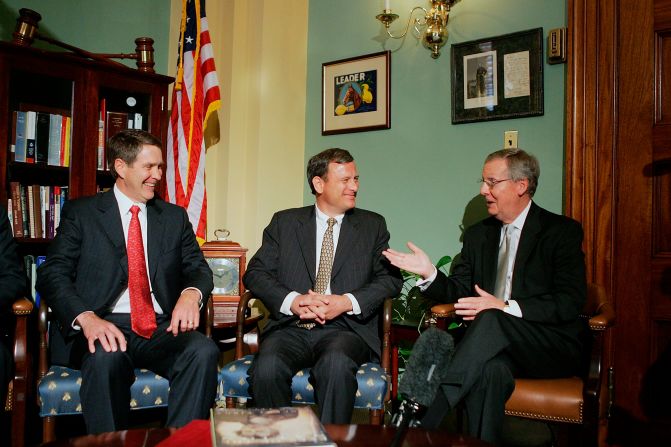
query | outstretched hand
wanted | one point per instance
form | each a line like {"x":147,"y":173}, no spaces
{"x":416,"y":262}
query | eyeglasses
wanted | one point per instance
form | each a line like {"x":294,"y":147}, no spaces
{"x":491,"y":183}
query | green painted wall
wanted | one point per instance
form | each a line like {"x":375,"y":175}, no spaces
{"x":98,"y":26}
{"x":421,"y":174}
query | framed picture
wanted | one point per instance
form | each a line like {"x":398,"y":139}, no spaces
{"x":355,"y":94}
{"x":498,"y":77}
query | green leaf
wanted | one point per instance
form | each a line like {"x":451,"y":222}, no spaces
{"x":443,"y":261}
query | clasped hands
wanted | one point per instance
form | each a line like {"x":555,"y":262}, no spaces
{"x":320,"y":308}
{"x":418,"y":262}
{"x":185,"y":317}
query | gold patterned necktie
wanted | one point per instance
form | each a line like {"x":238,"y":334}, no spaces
{"x":503,"y":264}
{"x":325,"y":259}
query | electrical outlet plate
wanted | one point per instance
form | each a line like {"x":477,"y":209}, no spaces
{"x":510,"y":139}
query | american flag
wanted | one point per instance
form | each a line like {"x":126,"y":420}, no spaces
{"x":194,"y":97}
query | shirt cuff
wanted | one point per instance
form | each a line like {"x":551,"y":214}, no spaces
{"x":200,"y":296}
{"x":288,"y":301}
{"x":513,"y":309}
{"x":424,"y":284}
{"x":356,"y":309}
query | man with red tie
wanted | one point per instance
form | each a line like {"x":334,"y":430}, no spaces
{"x":126,"y":281}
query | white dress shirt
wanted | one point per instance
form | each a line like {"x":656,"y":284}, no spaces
{"x":322,"y":226}
{"x":122,"y":305}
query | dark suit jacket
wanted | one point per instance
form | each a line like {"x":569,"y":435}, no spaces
{"x":87,"y":267}
{"x":286,"y":262}
{"x":549,"y":274}
{"x":12,"y":277}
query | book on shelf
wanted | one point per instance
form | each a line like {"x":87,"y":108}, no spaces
{"x":42,"y":128}
{"x":55,"y":139}
{"x":115,"y":122}
{"x":20,"y":136}
{"x":137,"y":121}
{"x":24,"y":211}
{"x":31,"y":211}
{"x":36,"y":209}
{"x":41,"y":136}
{"x":17,"y":213}
{"x":267,"y":427}
{"x":31,"y":119}
{"x":102,"y":116}
{"x":66,"y":144}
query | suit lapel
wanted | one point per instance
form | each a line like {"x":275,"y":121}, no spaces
{"x":528,"y":240}
{"x":491,"y":255}
{"x":155,"y":231}
{"x":306,"y":233}
{"x":346,"y":241}
{"x":110,"y":221}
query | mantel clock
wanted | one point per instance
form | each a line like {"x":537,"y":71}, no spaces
{"x":227,"y":259}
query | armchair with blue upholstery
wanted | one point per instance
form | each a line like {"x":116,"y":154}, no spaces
{"x":373,"y":378}
{"x":58,"y":387}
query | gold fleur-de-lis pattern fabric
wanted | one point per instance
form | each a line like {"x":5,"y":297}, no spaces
{"x":59,"y":391}
{"x":371,"y":377}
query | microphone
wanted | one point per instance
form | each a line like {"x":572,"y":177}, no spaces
{"x":421,"y":380}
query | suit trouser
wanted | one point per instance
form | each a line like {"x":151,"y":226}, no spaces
{"x":496,"y":348}
{"x":333,"y":351}
{"x":6,"y":366}
{"x":188,"y":361}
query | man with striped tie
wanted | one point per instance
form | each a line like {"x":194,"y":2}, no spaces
{"x":321,"y":274}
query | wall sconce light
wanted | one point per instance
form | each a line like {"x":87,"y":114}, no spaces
{"x":431,"y":28}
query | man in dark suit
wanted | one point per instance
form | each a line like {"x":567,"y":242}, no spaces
{"x":521,"y":279}
{"x":324,"y":309}
{"x":118,"y":309}
{"x":12,"y":285}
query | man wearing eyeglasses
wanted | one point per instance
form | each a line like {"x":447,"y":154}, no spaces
{"x":520,"y":283}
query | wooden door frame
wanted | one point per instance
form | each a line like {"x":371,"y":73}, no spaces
{"x":610,"y":45}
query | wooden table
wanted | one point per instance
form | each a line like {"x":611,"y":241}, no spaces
{"x":343,"y":435}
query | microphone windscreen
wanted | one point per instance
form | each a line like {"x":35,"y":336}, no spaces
{"x":428,"y":362}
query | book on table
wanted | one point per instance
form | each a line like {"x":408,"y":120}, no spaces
{"x":267,"y":427}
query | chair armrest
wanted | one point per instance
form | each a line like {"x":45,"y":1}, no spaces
{"x":240,"y":323}
{"x":385,"y":360}
{"x":21,"y":308}
{"x":209,"y":318}
{"x":43,"y":330}
{"x":604,"y":318}
{"x":443,"y":311}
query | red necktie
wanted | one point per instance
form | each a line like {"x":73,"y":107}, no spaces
{"x":142,"y":316}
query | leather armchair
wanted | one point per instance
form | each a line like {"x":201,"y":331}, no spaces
{"x":19,"y":386}
{"x":373,"y":378}
{"x":573,"y":400}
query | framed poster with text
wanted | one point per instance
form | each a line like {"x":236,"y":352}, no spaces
{"x":355,"y":94}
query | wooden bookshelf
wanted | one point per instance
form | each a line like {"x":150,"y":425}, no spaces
{"x":69,"y":85}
